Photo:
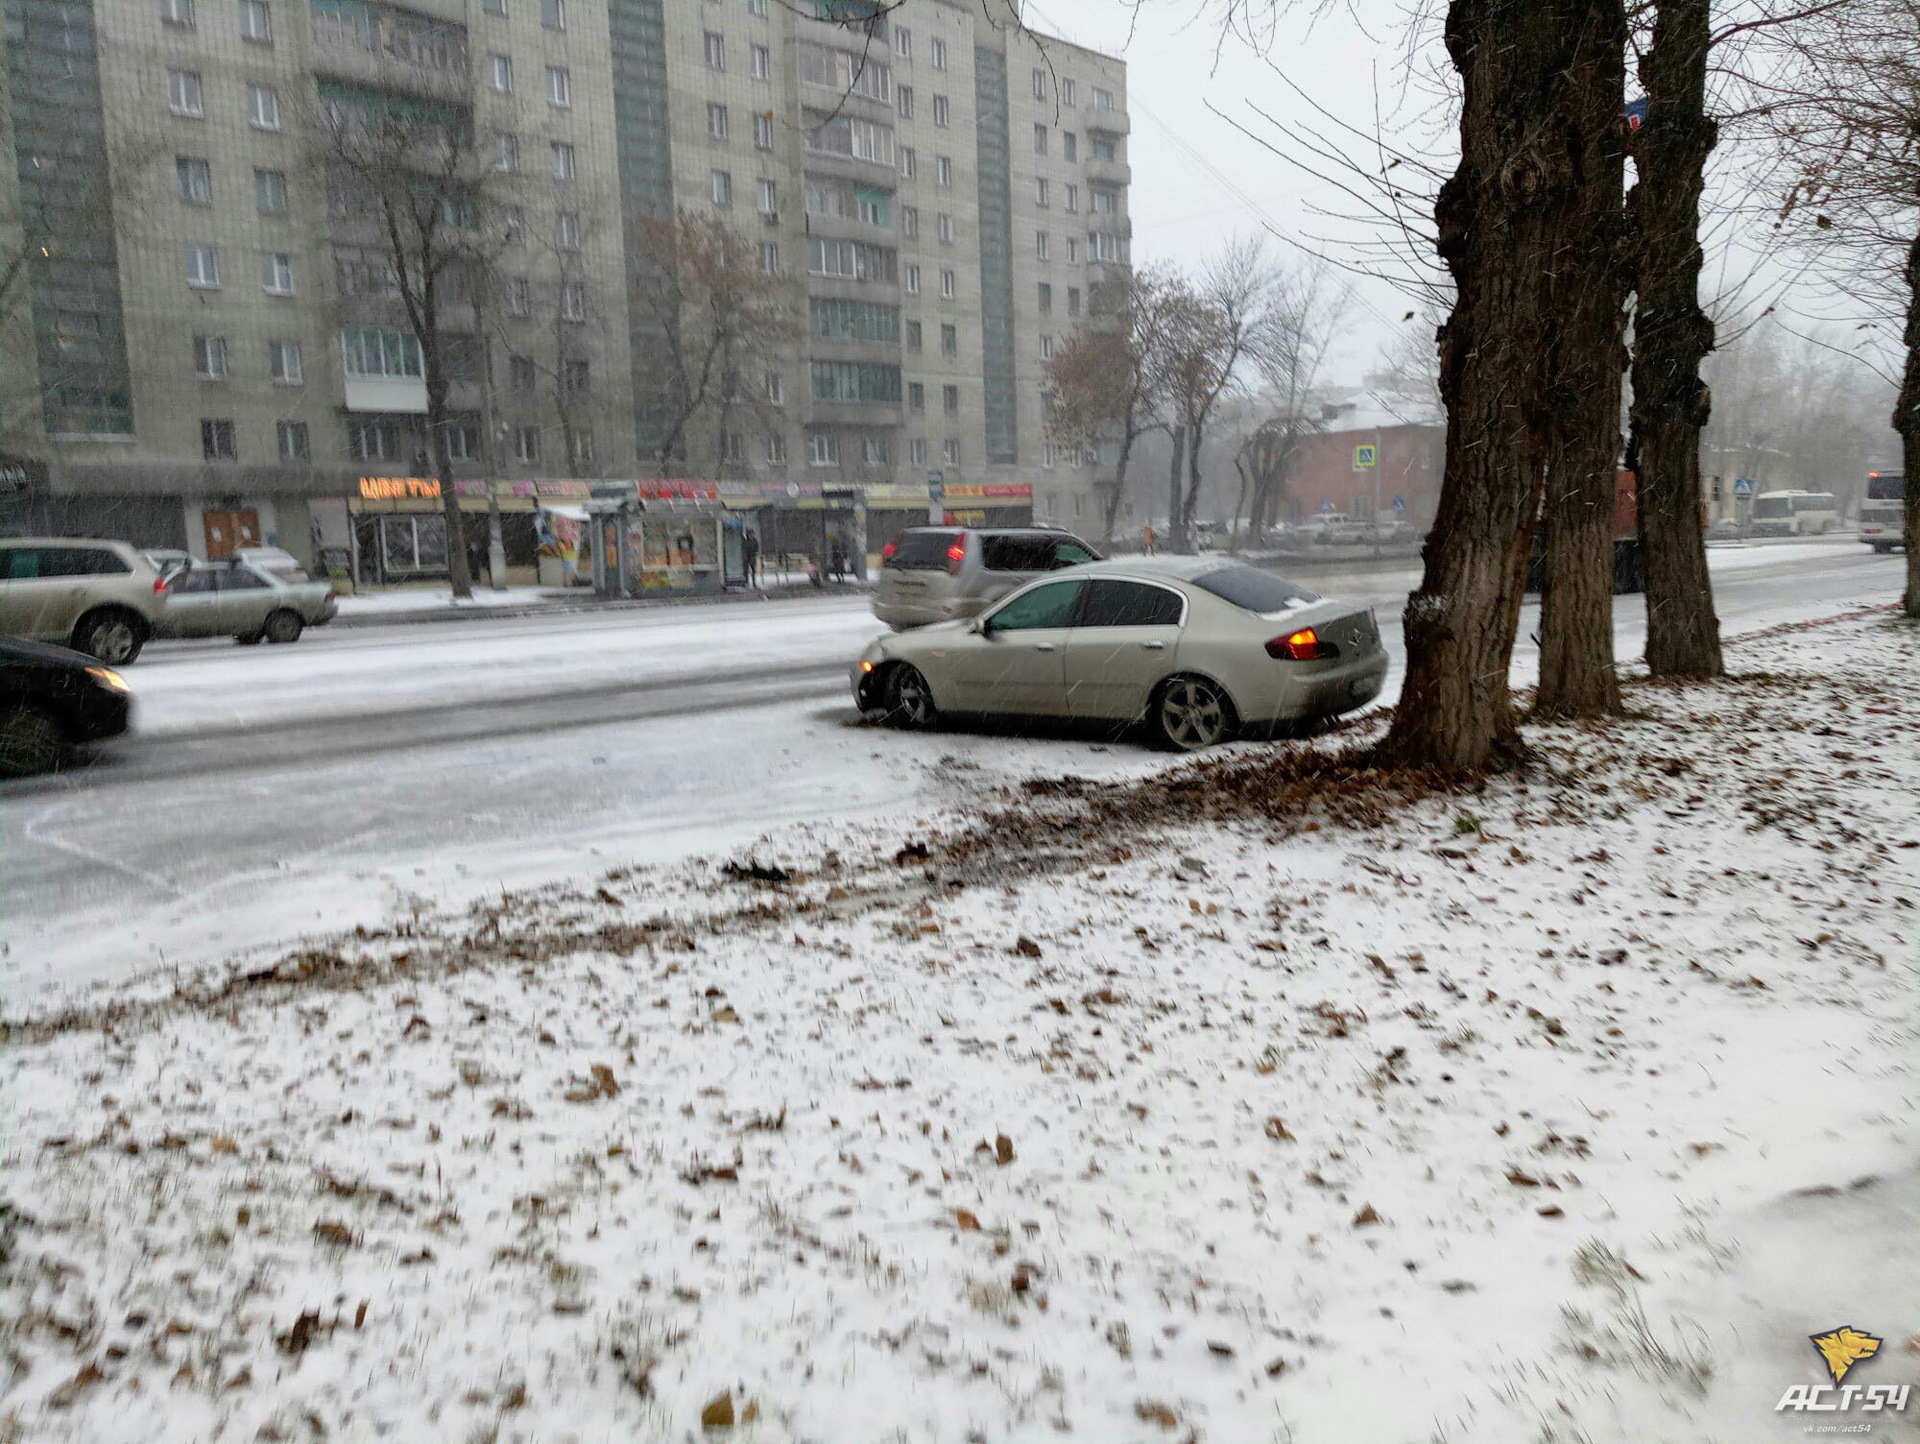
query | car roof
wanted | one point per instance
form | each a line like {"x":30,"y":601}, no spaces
{"x":1168,"y":569}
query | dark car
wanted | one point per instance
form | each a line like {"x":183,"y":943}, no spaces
{"x":53,"y":700}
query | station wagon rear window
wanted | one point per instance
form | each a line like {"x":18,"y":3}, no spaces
{"x":921,"y":551}
{"x":1255,"y":590}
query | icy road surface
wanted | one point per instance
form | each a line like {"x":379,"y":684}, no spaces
{"x":279,"y":791}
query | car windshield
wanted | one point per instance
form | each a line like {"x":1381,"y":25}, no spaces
{"x":1255,"y":590}
{"x":921,"y":551}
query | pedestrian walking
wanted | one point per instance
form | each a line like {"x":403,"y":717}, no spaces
{"x":1148,"y":540}
{"x":750,"y":553}
{"x":837,"y":561}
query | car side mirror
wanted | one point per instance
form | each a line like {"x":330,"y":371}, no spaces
{"x":978,"y":627}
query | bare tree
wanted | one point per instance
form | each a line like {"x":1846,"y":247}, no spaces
{"x":414,"y":175}
{"x":1108,"y":381}
{"x":720,"y":317}
{"x":1852,"y":129}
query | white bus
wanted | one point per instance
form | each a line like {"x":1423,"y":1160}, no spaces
{"x":1881,"y":514}
{"x":1793,"y":513}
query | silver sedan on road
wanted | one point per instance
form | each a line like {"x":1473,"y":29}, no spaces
{"x":1197,"y":648}
{"x":243,"y":601}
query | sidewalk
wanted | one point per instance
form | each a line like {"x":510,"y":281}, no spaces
{"x":404,"y":608}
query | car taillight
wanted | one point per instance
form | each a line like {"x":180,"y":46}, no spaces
{"x":1302,"y":646}
{"x":159,"y":586}
{"x":887,"y":551}
{"x":956,"y":554}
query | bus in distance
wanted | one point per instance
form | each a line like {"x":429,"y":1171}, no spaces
{"x":1882,"y":513}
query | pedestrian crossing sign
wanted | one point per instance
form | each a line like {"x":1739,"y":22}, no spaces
{"x":1365,"y":457}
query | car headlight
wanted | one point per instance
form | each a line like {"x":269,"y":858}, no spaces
{"x":108,"y":678}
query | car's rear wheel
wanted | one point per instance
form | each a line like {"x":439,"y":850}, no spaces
{"x":909,"y":700}
{"x":112,"y":634}
{"x":1189,"y":713}
{"x":284,"y":626}
{"x":31,"y":742}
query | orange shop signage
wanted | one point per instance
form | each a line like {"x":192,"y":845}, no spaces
{"x":398,"y":488}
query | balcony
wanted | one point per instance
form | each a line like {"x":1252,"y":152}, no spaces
{"x":386,"y":49}
{"x":1112,"y":173}
{"x":1108,"y":122}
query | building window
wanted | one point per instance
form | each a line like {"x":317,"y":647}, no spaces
{"x":559,"y":86}
{"x":776,"y":388}
{"x":1048,"y":454}
{"x":519,"y":296}
{"x":939,"y":54}
{"x":495,"y":7}
{"x":382,"y":353}
{"x":203,"y":267}
{"x":917,"y":451}
{"x":1039,"y":84}
{"x":950,"y":400}
{"x":216,"y":441}
{"x":714,"y":46}
{"x":291,"y":437}
{"x":873,"y":449}
{"x":943,"y":170}
{"x":553,"y":14}
{"x":916,"y":396}
{"x":283,"y":362}
{"x":946,"y":227}
{"x":722,"y":188}
{"x":196,"y":180}
{"x":520,"y":375}
{"x":1104,"y":203}
{"x":758,"y":8}
{"x":1070,"y":145}
{"x":1039,"y":138}
{"x":763,"y":131}
{"x":949,"y":340}
{"x":177,"y":12}
{"x":373,"y":441}
{"x":1046,"y":299}
{"x":770,"y":257}
{"x":526,"y":443}
{"x":1102,"y":99}
{"x":573,"y":301}
{"x":1066,"y":92}
{"x":500,"y":73}
{"x":256,"y":22}
{"x":506,"y":152}
{"x":852,"y":260}
{"x":276,"y":273}
{"x":903,"y":42}
{"x":946,"y":283}
{"x":270,"y":191}
{"x":513,"y":225}
{"x":560,"y":160}
{"x":210,"y":358}
{"x":903,"y":98}
{"x":952,"y":450}
{"x":1073,"y":250}
{"x":909,"y":162}
{"x":777,"y":450}
{"x":1040,"y":244}
{"x":762,"y":59}
{"x":855,"y":381}
{"x":566,"y":230}
{"x":1040,"y":190}
{"x":909,"y":220}
{"x":183,"y":92}
{"x":914,"y":335}
{"x":823,"y":448}
{"x":1046,"y":348}
{"x":940,"y":111}
{"x":1073,"y":198}
{"x":913,"y":278}
{"x":766,"y":193}
{"x":263,"y":107}
{"x":576,"y":378}
{"x":716,"y":120}
{"x":733,"y":449}
{"x":1073,"y":300}
{"x":1103,"y":149}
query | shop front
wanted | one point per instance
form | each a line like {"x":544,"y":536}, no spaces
{"x":398,"y":530}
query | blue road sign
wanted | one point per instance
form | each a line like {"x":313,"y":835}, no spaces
{"x":1743,"y":488}
{"x":1399,"y":503}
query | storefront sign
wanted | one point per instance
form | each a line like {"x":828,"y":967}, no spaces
{"x":398,"y":488}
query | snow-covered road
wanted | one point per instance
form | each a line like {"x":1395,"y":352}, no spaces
{"x":272,"y":792}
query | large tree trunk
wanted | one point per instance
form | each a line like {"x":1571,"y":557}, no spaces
{"x":1672,"y":336}
{"x":1111,"y":511}
{"x":458,"y":571}
{"x":1506,"y":216}
{"x":1174,"y":528}
{"x":1183,"y":535}
{"x":1582,"y":416}
{"x":1906,"y":421}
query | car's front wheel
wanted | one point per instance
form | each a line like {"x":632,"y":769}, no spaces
{"x":112,"y":634}
{"x":1189,"y":713}
{"x":284,"y":626}
{"x":909,"y":700}
{"x":31,"y":742}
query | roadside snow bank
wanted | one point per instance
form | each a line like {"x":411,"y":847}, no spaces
{"x":1504,"y":1115}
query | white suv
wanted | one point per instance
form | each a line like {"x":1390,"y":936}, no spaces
{"x":100,"y":597}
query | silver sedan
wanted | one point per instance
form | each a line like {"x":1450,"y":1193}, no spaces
{"x":1197,"y":648}
{"x":240,"y":600}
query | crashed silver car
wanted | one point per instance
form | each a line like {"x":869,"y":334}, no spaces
{"x":1196,"y":648}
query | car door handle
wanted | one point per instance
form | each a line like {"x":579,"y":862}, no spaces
{"x":1153,"y":646}
{"x":1043,"y":647}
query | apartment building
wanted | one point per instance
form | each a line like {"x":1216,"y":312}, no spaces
{"x":217,"y":353}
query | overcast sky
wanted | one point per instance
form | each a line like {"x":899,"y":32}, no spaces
{"x":1197,"y":180}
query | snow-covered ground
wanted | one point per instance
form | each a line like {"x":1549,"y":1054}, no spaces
{"x":1563,"y":1109}
{"x":427,"y":599}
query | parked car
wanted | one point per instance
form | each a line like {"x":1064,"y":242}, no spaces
{"x":935,"y":573}
{"x":239,"y":600}
{"x":100,"y":597}
{"x":52,"y":700}
{"x":274,"y":561}
{"x":1195,"y":648}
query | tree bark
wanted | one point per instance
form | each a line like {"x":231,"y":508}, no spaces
{"x":1175,"y":531}
{"x":458,"y":572}
{"x":1906,"y":421}
{"x":1505,"y":216}
{"x":1183,"y":534}
{"x":1585,"y":361}
{"x":1672,"y":336}
{"x":1112,"y":508}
